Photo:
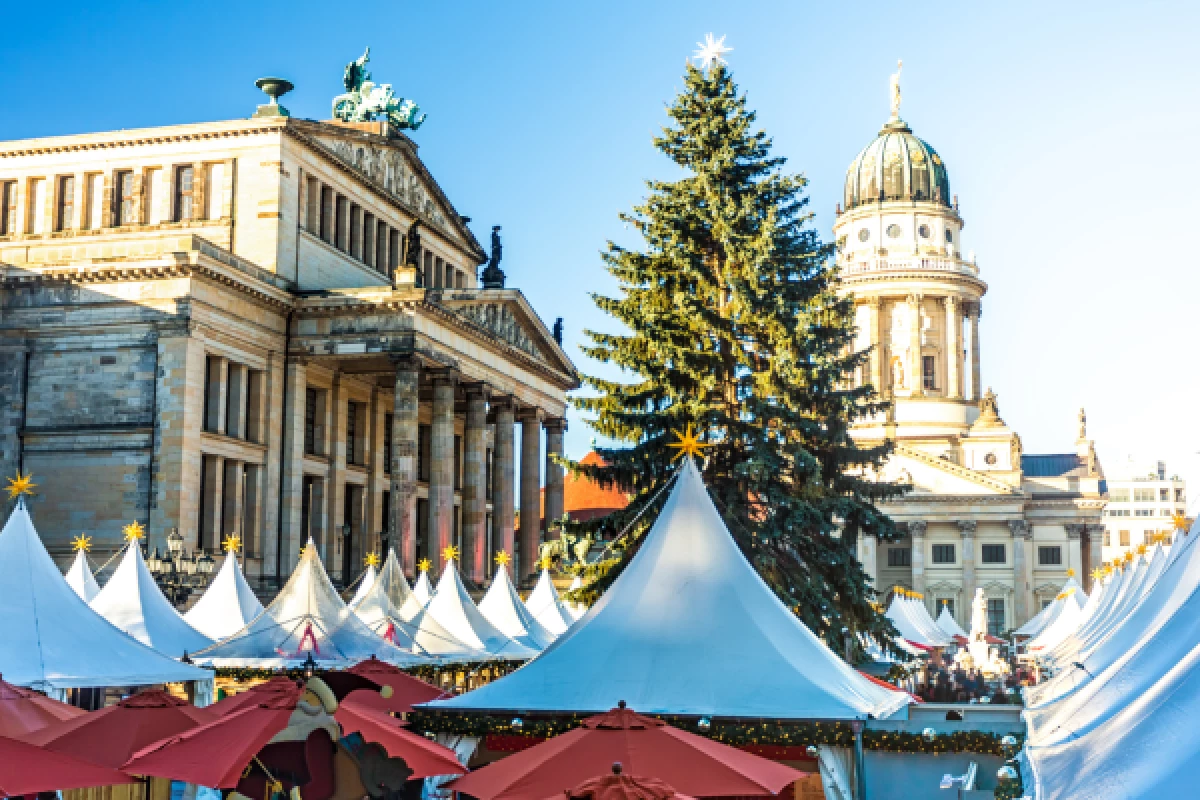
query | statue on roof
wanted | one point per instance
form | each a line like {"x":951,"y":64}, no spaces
{"x":493,"y":276}
{"x":365,"y":101}
{"x":895,"y":92}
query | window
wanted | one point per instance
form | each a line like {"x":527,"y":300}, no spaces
{"x":310,"y":421}
{"x":1164,"y":495}
{"x":1150,"y":537}
{"x":864,"y":234}
{"x":1050,"y":556}
{"x":8,"y":208}
{"x":124,"y":211}
{"x":893,"y":231}
{"x":352,"y":454}
{"x":995,"y":613}
{"x":387,"y":445}
{"x":993,"y":554}
{"x":65,"y":215}
{"x":923,"y":231}
{"x":899,"y":557}
{"x":213,"y":191}
{"x":212,"y":393}
{"x":1107,"y":539}
{"x":312,"y":206}
{"x":37,"y":205}
{"x":1143,"y":512}
{"x":1118,"y":495}
{"x":1124,"y":538}
{"x":152,"y":196}
{"x":184,"y":193}
{"x":943,"y":554}
{"x":1143,"y":495}
{"x":1179,"y":495}
{"x":94,"y":215}
{"x":927,"y":372}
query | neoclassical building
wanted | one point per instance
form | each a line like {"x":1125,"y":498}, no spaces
{"x":269,"y":327}
{"x":981,"y":513}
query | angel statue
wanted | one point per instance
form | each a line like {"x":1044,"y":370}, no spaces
{"x":896,"y":90}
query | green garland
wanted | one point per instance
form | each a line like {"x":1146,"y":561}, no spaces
{"x":785,"y":734}
{"x":430,"y":673}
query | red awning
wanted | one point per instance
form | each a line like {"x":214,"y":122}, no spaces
{"x":28,"y":769}
{"x":24,"y":710}
{"x":424,"y":758}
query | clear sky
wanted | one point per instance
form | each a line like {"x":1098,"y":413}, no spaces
{"x":1069,"y":130}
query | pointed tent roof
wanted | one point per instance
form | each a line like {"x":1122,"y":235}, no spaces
{"x":547,"y":607}
{"x":676,"y":632}
{"x":422,"y":591}
{"x":503,"y":608}
{"x":227,"y":605}
{"x":453,"y":609}
{"x":132,"y":601}
{"x":364,"y":585}
{"x":1041,"y":620}
{"x":52,"y":639}
{"x":80,"y":578}
{"x":912,"y":621}
{"x":377,"y":607}
{"x":948,"y":624}
{"x":307,"y":617}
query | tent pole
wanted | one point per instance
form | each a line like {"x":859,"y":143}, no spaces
{"x":860,"y":773}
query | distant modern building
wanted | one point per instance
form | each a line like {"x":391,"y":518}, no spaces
{"x":1143,"y":506}
{"x":982,"y":513}
{"x":272,"y":327}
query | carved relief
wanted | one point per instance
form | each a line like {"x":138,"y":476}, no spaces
{"x":498,"y":319}
{"x":387,"y":169}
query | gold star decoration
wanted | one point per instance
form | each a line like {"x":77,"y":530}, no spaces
{"x":424,"y":564}
{"x":545,"y":562}
{"x":308,"y":550}
{"x":372,"y":560}
{"x":232,"y":543}
{"x":1181,"y":522}
{"x":686,"y":443}
{"x":450,"y":553}
{"x":1097,"y":574}
{"x":22,"y":484}
{"x":1070,"y":572}
{"x":502,"y":559}
{"x":82,"y":542}
{"x":134,"y":531}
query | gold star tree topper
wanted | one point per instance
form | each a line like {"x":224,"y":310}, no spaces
{"x":424,"y":565}
{"x":450,"y":553}
{"x":232,"y":543}
{"x":22,"y":484}
{"x":82,"y":542}
{"x":686,"y":443}
{"x":134,"y":531}
{"x":372,"y":560}
{"x":502,"y":559}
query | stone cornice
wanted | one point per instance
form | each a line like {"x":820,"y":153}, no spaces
{"x":954,"y":469}
{"x":141,"y":137}
{"x":873,"y":278}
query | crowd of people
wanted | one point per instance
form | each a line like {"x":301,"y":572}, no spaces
{"x":951,"y":683}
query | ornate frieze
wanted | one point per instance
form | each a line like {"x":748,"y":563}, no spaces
{"x":498,"y":320}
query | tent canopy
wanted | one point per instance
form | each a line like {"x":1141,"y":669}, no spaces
{"x":948,"y":624}
{"x":364,"y":585}
{"x":547,"y":607}
{"x":52,"y":639}
{"x":228,"y":605}
{"x":132,"y":601}
{"x":913,"y":622}
{"x":688,"y":628}
{"x":453,"y":609}
{"x":81,"y":579}
{"x":502,"y":607}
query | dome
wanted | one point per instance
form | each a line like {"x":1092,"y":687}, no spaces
{"x":897,"y":166}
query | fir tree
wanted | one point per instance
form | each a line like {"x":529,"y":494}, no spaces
{"x":735,"y":326}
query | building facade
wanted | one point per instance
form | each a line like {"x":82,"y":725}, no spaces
{"x":274,"y":328}
{"x":1144,"y":505}
{"x":981,"y":512}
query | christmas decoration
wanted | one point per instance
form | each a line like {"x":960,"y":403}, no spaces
{"x":710,"y":51}
{"x":82,"y":542}
{"x":22,"y":484}
{"x":424,"y":565}
{"x":736,"y":336}
{"x":232,"y":543}
{"x":371,"y":560}
{"x":134,"y":531}
{"x":450,"y":553}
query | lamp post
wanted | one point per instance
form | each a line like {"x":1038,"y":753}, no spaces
{"x":177,"y":573}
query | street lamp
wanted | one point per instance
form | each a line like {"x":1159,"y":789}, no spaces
{"x":177,"y":573}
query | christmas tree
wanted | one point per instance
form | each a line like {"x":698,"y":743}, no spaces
{"x":735,"y":327}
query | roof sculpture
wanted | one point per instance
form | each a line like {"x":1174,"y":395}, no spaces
{"x":132,"y":601}
{"x":547,"y":607}
{"x":453,"y":609}
{"x":306,"y":619}
{"x":675,"y":634}
{"x":227,"y":605}
{"x":80,"y":578}
{"x":502,"y":607}
{"x":53,"y":639}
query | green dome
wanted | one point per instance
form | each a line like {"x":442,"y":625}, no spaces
{"x":897,"y":166}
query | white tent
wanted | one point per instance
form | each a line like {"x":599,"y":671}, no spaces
{"x":52,"y":640}
{"x":452,"y":608}
{"x":688,"y":628}
{"x":364,"y":585}
{"x":422,"y":591}
{"x":80,"y":578}
{"x":502,"y":607}
{"x":132,"y":601}
{"x":913,"y":622}
{"x":948,"y":624}
{"x":227,"y":605}
{"x":1071,"y":592}
{"x":547,"y":607}
{"x":307,"y":618}
{"x":1065,"y":623}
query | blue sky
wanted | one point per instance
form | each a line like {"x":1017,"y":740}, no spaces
{"x":1068,"y":128}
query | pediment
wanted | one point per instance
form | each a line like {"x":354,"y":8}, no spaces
{"x":930,"y":475}
{"x":505,"y":315}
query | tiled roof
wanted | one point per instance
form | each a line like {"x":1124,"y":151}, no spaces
{"x":584,"y":499}
{"x":1049,"y":466}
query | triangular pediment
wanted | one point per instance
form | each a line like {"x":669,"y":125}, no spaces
{"x":391,"y":165}
{"x":506,"y":315}
{"x":930,"y":475}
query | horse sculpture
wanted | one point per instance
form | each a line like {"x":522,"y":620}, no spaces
{"x":365,"y":101}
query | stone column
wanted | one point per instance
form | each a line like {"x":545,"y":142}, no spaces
{"x":215,"y":382}
{"x":976,"y":378}
{"x":967,"y":528}
{"x":555,"y":427}
{"x":474,"y":491}
{"x":178,"y":420}
{"x":531,"y":492}
{"x":868,"y":555}
{"x":270,"y":480}
{"x":1075,"y":546}
{"x":916,"y":530}
{"x":231,"y":515}
{"x":329,"y":545}
{"x":915,"y":373}
{"x":953,"y":348}
{"x":403,"y":491}
{"x":441,"y":466}
{"x":295,"y":384}
{"x":1095,"y":534}
{"x":875,"y":306}
{"x":503,"y":478}
{"x":1023,"y":606}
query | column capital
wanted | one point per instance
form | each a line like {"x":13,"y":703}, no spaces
{"x":917,"y":528}
{"x":1075,"y":530}
{"x":952,"y":302}
{"x":875,"y":302}
{"x":442,"y":376}
{"x":476,"y":388}
{"x":1020,"y":528}
{"x":555,"y":424}
{"x":967,"y":526}
{"x":502,"y":402}
{"x":529,"y":414}
{"x":915,"y":298}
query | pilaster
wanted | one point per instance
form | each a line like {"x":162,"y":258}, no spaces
{"x":916,"y":382}
{"x":916,"y":531}
{"x":954,"y":349}
{"x":1023,"y":604}
{"x":179,"y":396}
{"x":875,"y":307}
{"x":966,"y":528}
{"x":976,"y":378}
{"x":291,"y":481}
{"x":441,"y":461}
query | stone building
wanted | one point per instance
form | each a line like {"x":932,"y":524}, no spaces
{"x":271,"y":327}
{"x":981,"y":513}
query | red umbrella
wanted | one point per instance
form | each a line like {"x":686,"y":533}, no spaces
{"x":24,"y":710}
{"x":373,"y":675}
{"x":28,"y":769}
{"x":110,"y":736}
{"x":424,"y":758}
{"x":648,"y":747}
{"x":216,"y":753}
{"x":618,"y":786}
